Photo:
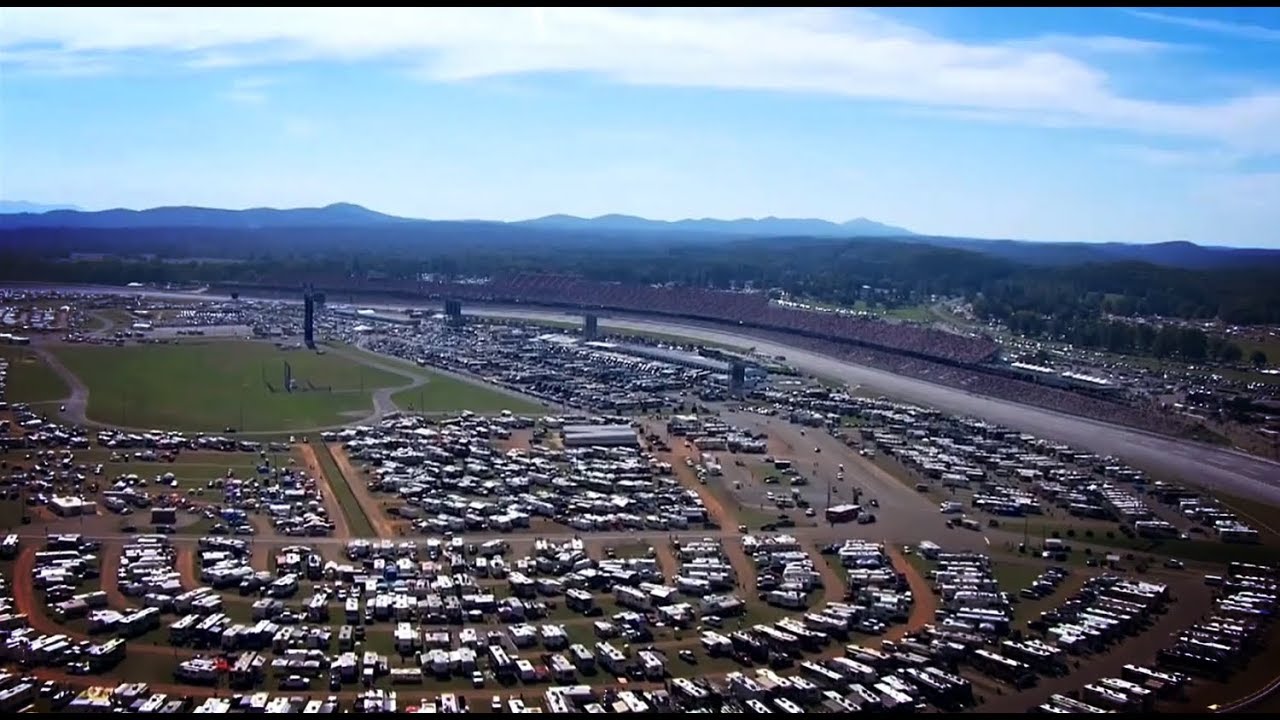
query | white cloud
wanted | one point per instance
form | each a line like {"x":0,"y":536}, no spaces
{"x":249,"y":90}
{"x":1096,"y":45}
{"x":848,"y":53}
{"x":53,"y":63}
{"x":1181,"y":158}
{"x":1244,"y":31}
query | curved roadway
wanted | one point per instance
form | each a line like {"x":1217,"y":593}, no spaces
{"x":1229,"y":470}
{"x":383,"y":405}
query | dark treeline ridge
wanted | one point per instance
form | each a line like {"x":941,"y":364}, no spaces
{"x":1073,"y":303}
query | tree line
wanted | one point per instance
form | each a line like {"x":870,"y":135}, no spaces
{"x":1092,"y":305}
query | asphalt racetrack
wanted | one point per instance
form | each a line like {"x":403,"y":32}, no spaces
{"x":1229,"y":470}
{"x":1225,"y":469}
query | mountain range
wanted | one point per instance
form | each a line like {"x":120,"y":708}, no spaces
{"x":15,"y":216}
{"x":30,"y":215}
{"x":13,"y":207}
{"x":755,"y":227}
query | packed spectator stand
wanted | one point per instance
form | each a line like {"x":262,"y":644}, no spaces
{"x":906,"y":349}
{"x":740,"y":308}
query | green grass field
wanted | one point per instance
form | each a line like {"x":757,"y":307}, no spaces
{"x":1263,"y":516}
{"x":193,"y":469}
{"x":442,"y":393}
{"x":1270,"y":346}
{"x":214,"y":385}
{"x":357,"y":520}
{"x":10,"y":514}
{"x":1013,"y":577}
{"x":29,"y":379}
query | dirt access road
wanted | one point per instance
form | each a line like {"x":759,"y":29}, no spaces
{"x":833,"y":586}
{"x":24,"y":593}
{"x":341,"y":528}
{"x":924,"y":604}
{"x":668,"y":565}
{"x":382,"y":525}
{"x":187,"y":573}
{"x":109,"y":573}
{"x":30,"y":604}
{"x":719,"y":512}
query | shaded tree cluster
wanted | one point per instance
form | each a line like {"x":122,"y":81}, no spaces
{"x":1072,"y":303}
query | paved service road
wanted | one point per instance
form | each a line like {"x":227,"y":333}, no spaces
{"x":1229,"y":470}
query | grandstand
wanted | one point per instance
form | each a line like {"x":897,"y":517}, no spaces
{"x":932,"y":355}
{"x":738,"y":308}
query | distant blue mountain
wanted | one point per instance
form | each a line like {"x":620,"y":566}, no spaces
{"x":1170,"y":254}
{"x":762,"y":227}
{"x":12,"y":207}
{"x":615,"y":229}
{"x":338,"y":214}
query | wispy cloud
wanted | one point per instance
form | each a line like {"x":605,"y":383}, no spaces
{"x":1244,"y":31}
{"x":249,"y":90}
{"x":1185,"y":158}
{"x":849,"y":53}
{"x":1097,"y":45}
{"x":53,"y":62}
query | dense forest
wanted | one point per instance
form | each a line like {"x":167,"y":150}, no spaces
{"x":1078,"y":303}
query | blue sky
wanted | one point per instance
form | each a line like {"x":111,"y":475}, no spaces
{"x":1109,"y":124}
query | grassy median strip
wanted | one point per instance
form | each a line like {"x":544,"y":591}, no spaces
{"x":356,"y":519}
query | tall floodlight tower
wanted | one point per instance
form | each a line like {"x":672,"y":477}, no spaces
{"x":453,"y":312}
{"x":309,"y":318}
{"x":737,"y":378}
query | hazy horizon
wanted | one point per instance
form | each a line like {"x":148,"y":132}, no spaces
{"x":1096,"y":125}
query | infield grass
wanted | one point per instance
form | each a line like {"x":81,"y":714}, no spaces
{"x":213,"y":385}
